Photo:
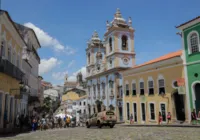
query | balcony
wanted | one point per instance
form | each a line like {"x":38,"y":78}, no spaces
{"x":8,"y":68}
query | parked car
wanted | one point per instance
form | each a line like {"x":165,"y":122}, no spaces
{"x":105,"y":118}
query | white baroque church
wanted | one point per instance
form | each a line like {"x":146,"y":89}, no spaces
{"x":106,"y":59}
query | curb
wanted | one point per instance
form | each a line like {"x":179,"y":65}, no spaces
{"x":189,"y":126}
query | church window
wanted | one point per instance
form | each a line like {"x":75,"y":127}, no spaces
{"x":124,"y":43}
{"x":193,"y":42}
{"x":110,"y":44}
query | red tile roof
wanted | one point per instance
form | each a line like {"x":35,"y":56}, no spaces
{"x":164,"y":57}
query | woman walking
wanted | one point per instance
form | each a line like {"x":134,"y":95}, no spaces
{"x":159,"y":118}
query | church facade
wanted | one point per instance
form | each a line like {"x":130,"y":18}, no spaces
{"x":106,"y":59}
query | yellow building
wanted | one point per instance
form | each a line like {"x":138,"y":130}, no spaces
{"x":151,"y":88}
{"x":74,"y":101}
{"x":11,"y":44}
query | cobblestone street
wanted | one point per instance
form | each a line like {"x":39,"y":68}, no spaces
{"x":117,"y":133}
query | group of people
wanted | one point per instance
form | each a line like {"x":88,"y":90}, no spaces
{"x":51,"y":123}
{"x":160,"y":118}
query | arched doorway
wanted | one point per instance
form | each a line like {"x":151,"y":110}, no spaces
{"x":179,"y":106}
{"x":197,"y":95}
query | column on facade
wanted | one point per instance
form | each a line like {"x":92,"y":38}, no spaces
{"x":107,"y":93}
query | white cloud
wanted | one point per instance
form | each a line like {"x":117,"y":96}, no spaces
{"x":47,"y":41}
{"x":71,"y":63}
{"x":73,"y":76}
{"x":47,"y":65}
{"x":59,"y":75}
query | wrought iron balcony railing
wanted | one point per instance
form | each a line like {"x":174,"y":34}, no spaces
{"x":8,"y":68}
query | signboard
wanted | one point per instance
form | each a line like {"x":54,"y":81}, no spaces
{"x":181,"y":81}
{"x":181,"y":90}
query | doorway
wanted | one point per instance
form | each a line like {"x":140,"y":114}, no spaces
{"x":163,"y":111}
{"x":135,"y":112}
{"x":120,"y":114}
{"x":128,"y":111}
{"x":179,"y":106}
{"x":143,"y":112}
{"x":197,"y":95}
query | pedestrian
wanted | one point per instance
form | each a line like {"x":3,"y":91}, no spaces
{"x":168,"y":117}
{"x":34,"y":125}
{"x":131,"y":119}
{"x":159,"y":118}
{"x":52,"y":122}
{"x":43,"y":122}
{"x":193,"y":117}
{"x":60,"y":122}
{"x":56,"y":122}
{"x":17,"y":122}
{"x":68,"y":121}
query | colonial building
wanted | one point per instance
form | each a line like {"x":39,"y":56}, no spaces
{"x":11,"y":46}
{"x":105,"y":60}
{"x":74,"y":102}
{"x":152,"y":87}
{"x":190,"y":33}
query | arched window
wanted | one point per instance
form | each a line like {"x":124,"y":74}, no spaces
{"x":110,"y":44}
{"x":194,"y":42}
{"x":89,"y":58}
{"x":3,"y":45}
{"x":127,"y":89}
{"x":141,"y":87}
{"x":150,"y":86}
{"x":124,"y":43}
{"x":133,"y":88}
{"x":161,"y":84}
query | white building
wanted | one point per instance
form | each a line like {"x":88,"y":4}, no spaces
{"x":52,"y":93}
{"x":30,"y":54}
{"x":105,"y":60}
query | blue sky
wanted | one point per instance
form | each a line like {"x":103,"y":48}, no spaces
{"x":65,"y":26}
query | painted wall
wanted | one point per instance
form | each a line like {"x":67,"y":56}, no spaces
{"x":192,"y":58}
{"x":170,"y":74}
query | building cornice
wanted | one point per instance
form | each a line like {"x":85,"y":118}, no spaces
{"x":171,"y":61}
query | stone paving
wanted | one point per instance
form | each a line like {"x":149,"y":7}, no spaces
{"x":117,"y":133}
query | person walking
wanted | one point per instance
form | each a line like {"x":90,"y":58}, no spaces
{"x":59,"y":122}
{"x":68,"y":121}
{"x":193,"y":117}
{"x":159,"y":118}
{"x":43,"y":122}
{"x":168,"y":117}
{"x":34,"y":125}
{"x":131,"y":119}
